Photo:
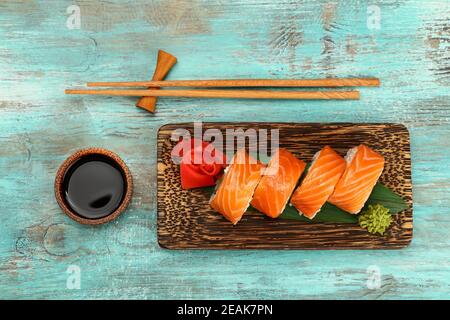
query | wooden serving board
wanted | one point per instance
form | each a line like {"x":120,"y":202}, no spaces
{"x":186,"y":221}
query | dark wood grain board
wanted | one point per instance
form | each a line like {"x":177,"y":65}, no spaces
{"x":186,"y":221}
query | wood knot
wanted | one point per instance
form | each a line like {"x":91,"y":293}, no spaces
{"x":61,"y":239}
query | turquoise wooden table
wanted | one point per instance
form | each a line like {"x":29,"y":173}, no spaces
{"x":43,"y":50}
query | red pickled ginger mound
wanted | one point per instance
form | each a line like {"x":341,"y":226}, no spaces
{"x":201,"y":163}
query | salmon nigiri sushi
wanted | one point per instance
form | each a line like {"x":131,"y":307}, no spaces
{"x":278,"y":183}
{"x":234,"y":193}
{"x":318,"y":185}
{"x":364,"y":167}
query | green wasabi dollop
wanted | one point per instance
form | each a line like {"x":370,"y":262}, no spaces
{"x":376,"y":219}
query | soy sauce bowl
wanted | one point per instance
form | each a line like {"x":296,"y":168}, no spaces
{"x":93,"y":186}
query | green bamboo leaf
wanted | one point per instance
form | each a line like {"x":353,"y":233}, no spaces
{"x":330,"y":213}
{"x":388,"y":198}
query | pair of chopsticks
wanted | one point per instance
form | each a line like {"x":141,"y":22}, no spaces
{"x":235,"y":93}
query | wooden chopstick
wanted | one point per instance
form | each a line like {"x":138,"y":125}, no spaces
{"x":240,"y":94}
{"x":327,"y":82}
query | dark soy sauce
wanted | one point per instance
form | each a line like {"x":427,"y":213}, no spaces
{"x":94,"y":186}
